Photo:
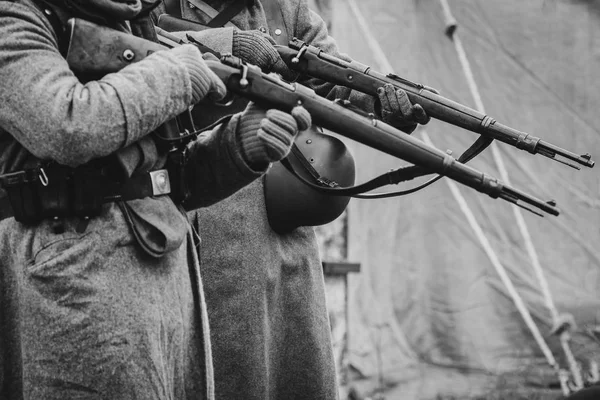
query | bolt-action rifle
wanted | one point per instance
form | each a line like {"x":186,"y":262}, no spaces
{"x":114,"y":50}
{"x":312,"y":61}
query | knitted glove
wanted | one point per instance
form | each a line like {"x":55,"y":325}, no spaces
{"x":267,"y":136}
{"x":398,"y":111}
{"x":258,"y":48}
{"x":204,"y":81}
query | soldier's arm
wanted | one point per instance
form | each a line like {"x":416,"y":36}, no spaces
{"x":216,"y":167}
{"x":56,"y":117}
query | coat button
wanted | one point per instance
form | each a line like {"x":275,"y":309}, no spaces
{"x":263,"y":29}
{"x":278,"y":32}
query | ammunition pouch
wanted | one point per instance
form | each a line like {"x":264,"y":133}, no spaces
{"x":39,"y":193}
{"x":55,"y":191}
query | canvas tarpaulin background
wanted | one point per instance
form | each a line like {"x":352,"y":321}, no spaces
{"x":429,"y":314}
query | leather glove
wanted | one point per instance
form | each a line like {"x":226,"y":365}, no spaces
{"x":267,"y":136}
{"x":258,"y":48}
{"x":204,"y":81}
{"x":398,"y":111}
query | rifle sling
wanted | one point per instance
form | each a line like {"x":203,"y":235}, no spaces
{"x":414,"y":171}
{"x":393,"y":177}
{"x":228,"y":13}
{"x":219,"y":19}
{"x":477,"y":147}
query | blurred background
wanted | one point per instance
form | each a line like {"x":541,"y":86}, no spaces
{"x":448,"y":293}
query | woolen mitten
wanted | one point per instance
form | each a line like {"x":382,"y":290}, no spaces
{"x":258,"y":48}
{"x":204,"y":80}
{"x":398,"y":111}
{"x":267,"y":136}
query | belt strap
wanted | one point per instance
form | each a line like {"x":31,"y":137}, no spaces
{"x":219,"y":19}
{"x":139,"y":186}
{"x":154,"y":183}
{"x":272,"y":9}
{"x":228,"y":13}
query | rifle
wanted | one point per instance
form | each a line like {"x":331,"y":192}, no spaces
{"x":312,"y":61}
{"x":272,"y":92}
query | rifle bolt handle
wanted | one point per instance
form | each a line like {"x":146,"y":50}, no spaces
{"x":296,"y":59}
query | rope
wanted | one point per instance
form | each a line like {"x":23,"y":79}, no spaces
{"x":489,"y":251}
{"x":503,"y":172}
{"x":451,"y":26}
{"x":518,"y":301}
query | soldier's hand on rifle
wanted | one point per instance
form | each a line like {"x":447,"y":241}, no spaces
{"x":267,"y":135}
{"x":398,"y":111}
{"x":258,"y":48}
{"x":204,"y":81}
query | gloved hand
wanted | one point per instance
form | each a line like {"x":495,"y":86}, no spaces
{"x":258,"y":48}
{"x":267,"y":136}
{"x":204,"y":80}
{"x":398,"y":111}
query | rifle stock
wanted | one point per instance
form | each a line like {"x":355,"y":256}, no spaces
{"x":272,"y":92}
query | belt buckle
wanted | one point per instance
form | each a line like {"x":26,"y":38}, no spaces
{"x":160,"y":182}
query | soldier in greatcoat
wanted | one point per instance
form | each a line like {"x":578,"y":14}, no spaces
{"x":100,"y":292}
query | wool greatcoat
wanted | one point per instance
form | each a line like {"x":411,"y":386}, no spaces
{"x":85,"y":314}
{"x":265,"y":291}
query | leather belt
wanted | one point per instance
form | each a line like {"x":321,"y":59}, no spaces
{"x":139,"y":186}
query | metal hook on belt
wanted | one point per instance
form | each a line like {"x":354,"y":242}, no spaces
{"x":43,"y":177}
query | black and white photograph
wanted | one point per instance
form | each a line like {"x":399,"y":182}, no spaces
{"x":299,"y":200}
